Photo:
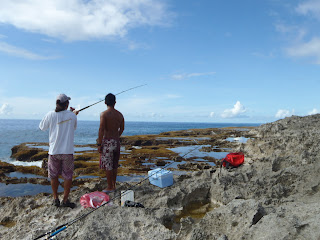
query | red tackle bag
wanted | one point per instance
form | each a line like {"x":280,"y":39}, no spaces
{"x":233,"y":160}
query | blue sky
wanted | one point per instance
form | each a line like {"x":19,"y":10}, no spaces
{"x":203,"y":61}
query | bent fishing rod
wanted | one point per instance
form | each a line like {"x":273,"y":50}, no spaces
{"x":62,"y":227}
{"x":116,"y":94}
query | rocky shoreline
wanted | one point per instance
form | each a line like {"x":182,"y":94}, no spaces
{"x":274,"y":195}
{"x":138,"y":154}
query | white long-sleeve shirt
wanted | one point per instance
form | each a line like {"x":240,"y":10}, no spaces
{"x":61,"y":127}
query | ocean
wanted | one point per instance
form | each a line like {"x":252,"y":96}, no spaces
{"x":17,"y":131}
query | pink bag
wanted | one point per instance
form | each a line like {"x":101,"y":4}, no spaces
{"x":94,"y":199}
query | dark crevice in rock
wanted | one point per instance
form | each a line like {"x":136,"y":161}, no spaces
{"x":257,"y":217}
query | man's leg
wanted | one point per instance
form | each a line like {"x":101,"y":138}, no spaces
{"x":108,"y":160}
{"x":67,"y":173}
{"x":54,"y":186}
{"x":66,"y":186}
{"x":116,"y":157}
{"x":54,"y":168}
{"x":114,"y":177}
{"x":109,"y":175}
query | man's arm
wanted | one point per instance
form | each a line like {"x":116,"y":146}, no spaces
{"x":76,"y":121}
{"x":101,"y":131}
{"x":121,"y":127}
{"x":44,"y":124}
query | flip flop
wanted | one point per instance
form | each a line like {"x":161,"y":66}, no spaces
{"x":108,"y":191}
{"x":68,"y":204}
{"x":56,"y":202}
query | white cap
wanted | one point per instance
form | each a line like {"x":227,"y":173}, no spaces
{"x":63,"y":98}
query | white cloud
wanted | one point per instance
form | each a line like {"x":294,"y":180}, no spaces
{"x":293,"y":33}
{"x":49,"y":40}
{"x":311,"y":7}
{"x":237,"y":110}
{"x":73,"y":20}
{"x":302,"y":41}
{"x":190,"y":75}
{"x":173,"y":96}
{"x":211,"y":114}
{"x":314,"y":111}
{"x":155,"y":115}
{"x":20,"y":52}
{"x":5,"y":109}
{"x":263,"y":55}
{"x":132,"y":45}
{"x":307,"y":49}
{"x":282,"y":113}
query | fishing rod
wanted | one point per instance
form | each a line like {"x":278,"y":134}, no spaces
{"x":62,"y":227}
{"x":116,"y":94}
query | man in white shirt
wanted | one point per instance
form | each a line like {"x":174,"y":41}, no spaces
{"x":61,"y":124}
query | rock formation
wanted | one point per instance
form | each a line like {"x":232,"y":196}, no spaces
{"x":274,"y":195}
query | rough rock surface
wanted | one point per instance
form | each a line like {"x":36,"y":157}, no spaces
{"x":274,"y":195}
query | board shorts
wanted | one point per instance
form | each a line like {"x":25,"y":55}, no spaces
{"x":110,"y":154}
{"x":61,"y":164}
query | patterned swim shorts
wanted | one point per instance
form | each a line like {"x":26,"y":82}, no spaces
{"x":109,"y":157}
{"x":60,"y":164}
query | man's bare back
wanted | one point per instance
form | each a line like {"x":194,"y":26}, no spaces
{"x":111,"y":124}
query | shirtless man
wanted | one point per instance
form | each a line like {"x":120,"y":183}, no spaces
{"x":111,"y":128}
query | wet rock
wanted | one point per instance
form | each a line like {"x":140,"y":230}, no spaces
{"x":25,"y":154}
{"x":160,"y":163}
{"x":44,"y":164}
{"x":206,"y":149}
{"x":147,"y":143}
{"x":6,"y":168}
{"x":194,"y":166}
{"x":137,"y":143}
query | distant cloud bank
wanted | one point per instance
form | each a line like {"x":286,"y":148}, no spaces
{"x":74,"y":20}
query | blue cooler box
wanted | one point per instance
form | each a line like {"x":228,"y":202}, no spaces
{"x":160,"y":177}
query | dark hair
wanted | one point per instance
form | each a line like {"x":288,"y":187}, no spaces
{"x":110,"y":99}
{"x":61,"y":106}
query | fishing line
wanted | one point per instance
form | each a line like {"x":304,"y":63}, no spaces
{"x":62,"y":227}
{"x":116,"y":94}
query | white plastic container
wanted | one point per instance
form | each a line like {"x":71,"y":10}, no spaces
{"x":160,"y":177}
{"x":127,"y":195}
